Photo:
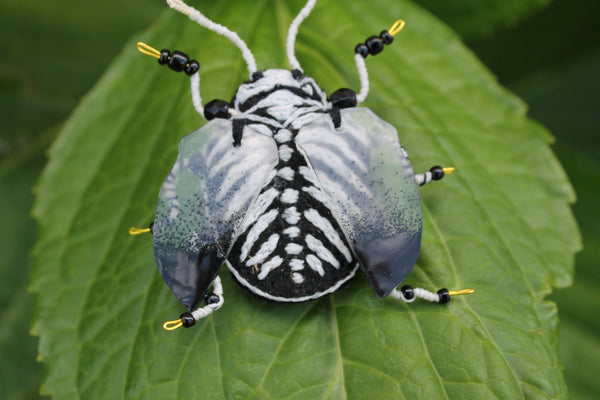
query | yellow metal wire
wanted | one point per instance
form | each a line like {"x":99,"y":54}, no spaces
{"x":138,"y":231}
{"x":172,"y":325}
{"x":147,"y":50}
{"x":449,"y":170}
{"x":458,"y":292}
{"x":397,"y":27}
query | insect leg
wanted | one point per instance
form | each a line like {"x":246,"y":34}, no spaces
{"x":434,"y":174}
{"x":408,"y":294}
{"x":214,"y":301}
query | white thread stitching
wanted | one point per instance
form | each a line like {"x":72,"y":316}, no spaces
{"x":262,"y":224}
{"x":315,"y":264}
{"x":325,"y":226}
{"x":269,"y":266}
{"x":289,"y":196}
{"x":291,"y":215}
{"x":317,"y":246}
{"x":265,"y":251}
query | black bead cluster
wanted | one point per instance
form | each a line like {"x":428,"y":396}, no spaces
{"x":374,"y":44}
{"x":216,"y":109}
{"x":343,"y":98}
{"x":178,"y":61}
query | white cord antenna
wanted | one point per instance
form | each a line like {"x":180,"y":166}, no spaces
{"x":364,"y":78}
{"x":293,"y":32}
{"x":198,"y":17}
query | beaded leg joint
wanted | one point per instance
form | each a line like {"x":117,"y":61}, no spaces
{"x":434,"y":174}
{"x":443,"y":296}
{"x":213,"y":301}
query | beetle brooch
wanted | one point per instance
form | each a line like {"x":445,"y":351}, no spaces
{"x":293,"y":190}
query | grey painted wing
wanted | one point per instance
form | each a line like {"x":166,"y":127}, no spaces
{"x":372,"y":192}
{"x":202,"y":202}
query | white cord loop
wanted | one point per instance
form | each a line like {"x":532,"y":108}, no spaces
{"x":203,"y":312}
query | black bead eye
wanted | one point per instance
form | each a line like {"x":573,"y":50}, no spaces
{"x":216,"y":109}
{"x":343,"y":98}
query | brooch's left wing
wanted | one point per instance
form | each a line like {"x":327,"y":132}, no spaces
{"x":203,"y":201}
{"x":371,"y":190}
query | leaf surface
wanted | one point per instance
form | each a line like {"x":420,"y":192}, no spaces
{"x":493,"y":225}
{"x":473,"y":19}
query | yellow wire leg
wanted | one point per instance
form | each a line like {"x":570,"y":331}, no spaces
{"x":138,"y":231}
{"x":449,"y":170}
{"x":172,"y":325}
{"x":397,"y":27}
{"x":459,"y":292}
{"x":147,"y":50}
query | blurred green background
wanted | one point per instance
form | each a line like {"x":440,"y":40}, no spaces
{"x":53,"y":52}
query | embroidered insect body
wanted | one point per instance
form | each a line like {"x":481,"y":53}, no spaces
{"x":292,"y":190}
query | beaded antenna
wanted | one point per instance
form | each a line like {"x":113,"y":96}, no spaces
{"x":293,"y":190}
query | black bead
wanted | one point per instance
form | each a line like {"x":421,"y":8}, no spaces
{"x":151,"y":226}
{"x":444,"y":295}
{"x":178,"y":61}
{"x":297,"y":74}
{"x":192,"y":67}
{"x":362,"y":49}
{"x":374,"y":44}
{"x":216,"y":109}
{"x":164,"y":56}
{"x":187,"y":319}
{"x":212,"y":298}
{"x":437,"y":173}
{"x":407,"y":292}
{"x":343,"y":98}
{"x":386,"y":37}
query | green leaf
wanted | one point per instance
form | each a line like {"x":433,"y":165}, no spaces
{"x":501,"y":224}
{"x":475,"y":18}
